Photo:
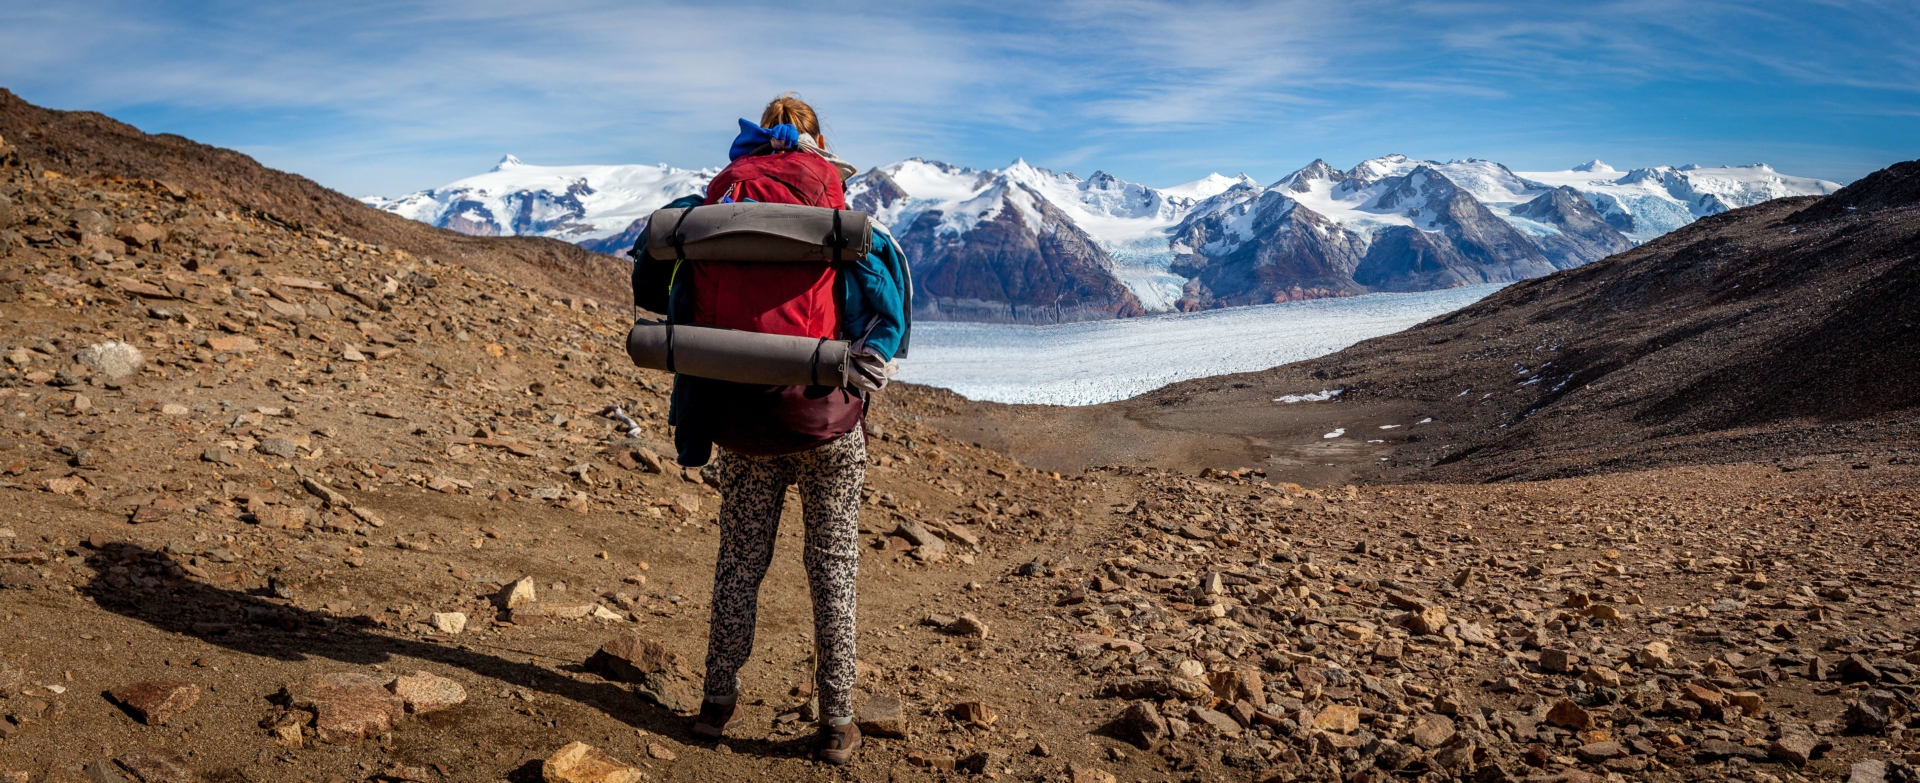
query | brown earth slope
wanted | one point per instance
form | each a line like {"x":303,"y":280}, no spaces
{"x":1779,"y":330}
{"x":92,"y":144}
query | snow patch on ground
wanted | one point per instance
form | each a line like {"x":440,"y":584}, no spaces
{"x":1102,"y":361}
{"x":1320,"y":396}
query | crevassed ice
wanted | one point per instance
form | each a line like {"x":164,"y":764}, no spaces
{"x":1103,"y":361}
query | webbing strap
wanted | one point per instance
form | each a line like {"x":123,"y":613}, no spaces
{"x":679,"y":257}
{"x":814,"y":365}
{"x":839,"y":238}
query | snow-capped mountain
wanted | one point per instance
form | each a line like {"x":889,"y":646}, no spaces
{"x":1096,"y":247}
{"x":578,"y":204}
{"x":1022,"y":243}
{"x":1645,"y":203}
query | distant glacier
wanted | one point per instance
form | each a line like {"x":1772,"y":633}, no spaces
{"x":1102,"y":361}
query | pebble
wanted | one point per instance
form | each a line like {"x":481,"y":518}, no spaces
{"x":451,"y":623}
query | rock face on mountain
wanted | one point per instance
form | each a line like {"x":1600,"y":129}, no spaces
{"x":875,"y":192}
{"x":1025,"y":262}
{"x":1458,"y":241}
{"x":1295,"y":254}
{"x":618,"y":244}
{"x":1583,"y":235}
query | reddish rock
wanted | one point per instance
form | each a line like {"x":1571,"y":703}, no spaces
{"x":423,"y":692}
{"x":155,"y":702}
{"x":156,"y":766}
{"x":347,"y":707}
{"x":579,"y":762}
{"x":631,"y":658}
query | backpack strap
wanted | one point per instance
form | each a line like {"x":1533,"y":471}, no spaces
{"x":679,"y":257}
{"x":839,"y":238}
{"x":814,"y":368}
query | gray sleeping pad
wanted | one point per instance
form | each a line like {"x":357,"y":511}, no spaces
{"x":741,"y":357}
{"x":753,"y":231}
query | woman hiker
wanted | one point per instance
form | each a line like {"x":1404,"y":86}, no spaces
{"x":770,"y":437}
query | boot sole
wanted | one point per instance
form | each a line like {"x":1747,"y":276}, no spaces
{"x":720,"y":732}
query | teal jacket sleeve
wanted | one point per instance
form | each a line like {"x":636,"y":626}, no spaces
{"x":877,"y":296}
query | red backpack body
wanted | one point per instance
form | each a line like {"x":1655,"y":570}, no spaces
{"x":791,"y":299}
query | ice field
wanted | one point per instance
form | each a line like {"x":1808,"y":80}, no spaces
{"x":1103,"y":361}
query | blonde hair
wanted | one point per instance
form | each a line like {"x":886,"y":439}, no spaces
{"x":789,"y":109}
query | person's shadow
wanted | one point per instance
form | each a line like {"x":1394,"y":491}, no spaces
{"x":141,"y":584}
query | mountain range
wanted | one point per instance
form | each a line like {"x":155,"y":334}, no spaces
{"x":1025,"y":244}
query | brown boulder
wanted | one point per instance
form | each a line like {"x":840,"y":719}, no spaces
{"x":1566,"y":714}
{"x":1433,"y":731}
{"x":1141,"y":725}
{"x":1429,"y":621}
{"x":1237,"y":685}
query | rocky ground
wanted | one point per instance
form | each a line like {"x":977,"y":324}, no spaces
{"x":352,"y":513}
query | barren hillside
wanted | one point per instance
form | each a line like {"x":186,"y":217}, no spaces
{"x":285,"y":502}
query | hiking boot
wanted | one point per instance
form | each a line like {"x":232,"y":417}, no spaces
{"x":715,"y":719}
{"x":837,"y":743}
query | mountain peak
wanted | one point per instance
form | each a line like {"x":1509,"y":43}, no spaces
{"x":508,"y":162}
{"x":1595,"y":166}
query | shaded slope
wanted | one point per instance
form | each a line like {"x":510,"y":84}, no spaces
{"x":91,"y":144}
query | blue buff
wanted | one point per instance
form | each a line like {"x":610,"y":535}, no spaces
{"x":752,"y":136}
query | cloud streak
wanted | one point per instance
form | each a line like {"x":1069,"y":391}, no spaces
{"x":389,"y":97}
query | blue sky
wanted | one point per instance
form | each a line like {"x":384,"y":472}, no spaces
{"x":392,"y":97}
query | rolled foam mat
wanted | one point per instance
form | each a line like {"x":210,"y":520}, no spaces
{"x":741,"y":357}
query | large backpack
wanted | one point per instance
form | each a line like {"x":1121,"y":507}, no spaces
{"x":790,"y":298}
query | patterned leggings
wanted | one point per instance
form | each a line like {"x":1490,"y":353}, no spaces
{"x":752,"y":491}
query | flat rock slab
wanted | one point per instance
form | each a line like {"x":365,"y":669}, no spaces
{"x":1338,"y":718}
{"x":155,"y":702}
{"x":347,"y":706}
{"x":156,"y":766}
{"x":424,"y":692}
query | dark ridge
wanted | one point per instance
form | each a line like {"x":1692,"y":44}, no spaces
{"x":1897,"y":185}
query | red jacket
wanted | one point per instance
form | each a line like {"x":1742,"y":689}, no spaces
{"x":772,"y":298}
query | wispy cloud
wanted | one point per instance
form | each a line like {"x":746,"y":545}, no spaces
{"x":394,"y":96}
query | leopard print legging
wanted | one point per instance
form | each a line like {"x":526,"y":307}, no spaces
{"x":752,"y":491}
